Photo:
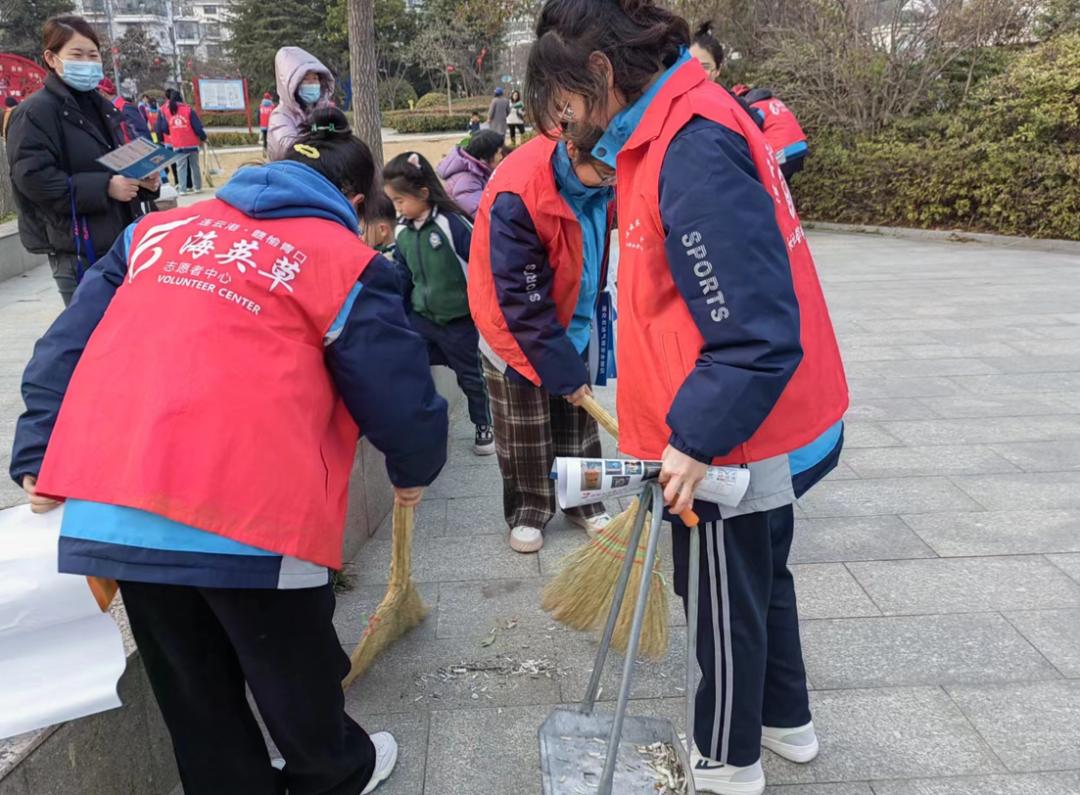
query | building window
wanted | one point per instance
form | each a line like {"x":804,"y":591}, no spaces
{"x":187,"y":31}
{"x":210,"y":11}
{"x":214,"y":51}
{"x":213,"y":30}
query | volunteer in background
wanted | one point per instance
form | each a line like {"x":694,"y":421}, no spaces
{"x":726,"y":352}
{"x":303,"y":85}
{"x":782,"y":129}
{"x":198,"y":407}
{"x":266,"y":108}
{"x":183,"y":127}
{"x":71,"y":207}
{"x":536,"y":273}
{"x":134,"y":123}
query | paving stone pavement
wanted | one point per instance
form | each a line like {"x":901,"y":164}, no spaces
{"x":938,"y":568}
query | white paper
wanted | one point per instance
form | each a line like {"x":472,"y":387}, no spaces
{"x":60,"y":656}
{"x":584,"y":480}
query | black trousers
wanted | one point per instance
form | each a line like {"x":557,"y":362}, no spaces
{"x":748,"y":650}
{"x":201,"y":645}
{"x":457,"y":345}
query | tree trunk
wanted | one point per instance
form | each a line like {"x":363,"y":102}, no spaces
{"x":367,"y":120}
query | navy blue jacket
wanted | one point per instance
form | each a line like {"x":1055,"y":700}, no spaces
{"x":134,"y":122}
{"x":709,"y":185}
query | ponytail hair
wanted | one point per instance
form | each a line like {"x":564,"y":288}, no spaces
{"x":329,"y":146}
{"x":706,"y":40}
{"x":175,"y":98}
{"x":638,"y":38}
{"x":410,"y":173}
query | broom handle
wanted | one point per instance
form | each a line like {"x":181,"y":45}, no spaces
{"x":611,"y":425}
{"x":401,"y":552}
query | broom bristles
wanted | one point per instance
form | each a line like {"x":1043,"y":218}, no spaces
{"x":400,"y":610}
{"x":582,"y":593}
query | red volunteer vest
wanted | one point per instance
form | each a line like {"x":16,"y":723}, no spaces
{"x":264,"y":115}
{"x":203,"y":395}
{"x":181,"y":134}
{"x":527,"y":174}
{"x":659,"y":341}
{"x":781,"y":128}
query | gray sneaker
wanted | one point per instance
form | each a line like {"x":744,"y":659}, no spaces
{"x":799,"y":744}
{"x":719,"y":779}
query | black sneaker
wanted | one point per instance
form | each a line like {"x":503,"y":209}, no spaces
{"x":485,"y":440}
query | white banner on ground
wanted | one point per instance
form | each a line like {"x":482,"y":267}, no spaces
{"x":60,"y":656}
{"x":584,"y":480}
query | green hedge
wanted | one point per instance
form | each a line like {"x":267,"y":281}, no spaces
{"x":431,"y":100}
{"x":413,"y":122}
{"x":1007,"y":163}
{"x":234,"y":138}
{"x":230,"y":119}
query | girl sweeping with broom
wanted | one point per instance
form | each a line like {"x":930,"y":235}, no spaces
{"x":726,"y":351}
{"x":536,"y":271}
{"x":198,"y":407}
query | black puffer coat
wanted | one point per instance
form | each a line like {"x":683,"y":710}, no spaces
{"x":49,"y":141}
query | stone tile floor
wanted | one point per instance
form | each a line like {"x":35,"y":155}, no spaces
{"x":938,"y":568}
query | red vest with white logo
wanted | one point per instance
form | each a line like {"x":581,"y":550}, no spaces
{"x":781,"y":128}
{"x":203,"y":395}
{"x":181,"y":133}
{"x":659,"y":341}
{"x":264,"y":115}
{"x":527,"y":174}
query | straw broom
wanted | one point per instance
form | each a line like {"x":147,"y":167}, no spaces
{"x":400,"y":610}
{"x":581,"y":595}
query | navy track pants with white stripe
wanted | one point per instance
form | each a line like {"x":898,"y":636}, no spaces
{"x":748,"y":650}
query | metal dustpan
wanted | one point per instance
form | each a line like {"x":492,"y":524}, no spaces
{"x":583,"y":751}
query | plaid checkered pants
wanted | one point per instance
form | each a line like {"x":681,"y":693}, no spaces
{"x":531,"y":429}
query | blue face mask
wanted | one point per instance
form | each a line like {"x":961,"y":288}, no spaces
{"x":310,"y":92}
{"x":82,"y":75}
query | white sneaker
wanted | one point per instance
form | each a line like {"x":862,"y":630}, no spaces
{"x":526,"y":539}
{"x":796,"y":745}
{"x":711,"y":776}
{"x":385,"y":759}
{"x":593,"y":525}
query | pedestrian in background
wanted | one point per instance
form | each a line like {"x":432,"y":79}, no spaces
{"x":537,"y":269}
{"x":266,"y":108}
{"x":498,"y":113}
{"x":467,"y":169}
{"x":726,"y":353}
{"x":782,"y":130}
{"x":71,"y":207}
{"x":218,"y":498}
{"x":303,"y":84}
{"x":185,"y":132}
{"x":9,"y":105}
{"x":433,"y":239}
{"x":515,"y":121}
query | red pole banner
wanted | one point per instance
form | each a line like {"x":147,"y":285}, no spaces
{"x":247,"y":105}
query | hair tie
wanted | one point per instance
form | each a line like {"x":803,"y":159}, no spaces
{"x":307,"y":151}
{"x":331,"y":127}
{"x":414,"y":160}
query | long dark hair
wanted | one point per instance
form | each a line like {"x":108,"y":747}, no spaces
{"x":704,"y":38}
{"x":339,"y":155}
{"x":638,"y":37}
{"x":175,"y":98}
{"x":410,"y":172}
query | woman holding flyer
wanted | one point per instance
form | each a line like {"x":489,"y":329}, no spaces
{"x":537,"y":265}
{"x":726,"y":351}
{"x":71,"y":207}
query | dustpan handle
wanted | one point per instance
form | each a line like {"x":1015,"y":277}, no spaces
{"x":611,"y":425}
{"x":694,"y":574}
{"x":625,"y":686}
{"x":632,"y":543}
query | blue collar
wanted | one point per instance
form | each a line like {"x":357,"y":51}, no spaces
{"x":626,"y":120}
{"x":576,"y":192}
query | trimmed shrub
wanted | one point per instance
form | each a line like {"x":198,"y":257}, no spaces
{"x":396,"y":95}
{"x":431,"y":101}
{"x":234,"y":138}
{"x":426,"y":122}
{"x":230,"y":119}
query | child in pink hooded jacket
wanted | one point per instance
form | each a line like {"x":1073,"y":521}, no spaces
{"x":467,"y":169}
